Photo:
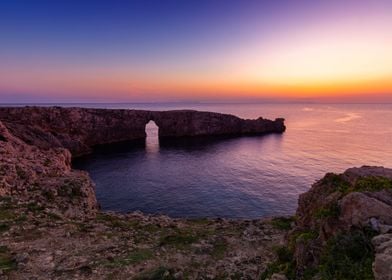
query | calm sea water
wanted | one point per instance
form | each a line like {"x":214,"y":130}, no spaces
{"x":245,"y":177}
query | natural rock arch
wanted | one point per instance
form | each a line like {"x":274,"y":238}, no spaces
{"x":80,"y":129}
{"x":151,"y":129}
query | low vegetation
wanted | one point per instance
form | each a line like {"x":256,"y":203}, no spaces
{"x":340,"y":255}
{"x":7,"y":263}
{"x":134,"y":257}
{"x":282,"y":223}
{"x":362,"y":184}
{"x":159,"y":273}
{"x":348,"y":256}
{"x":180,"y":239}
{"x":284,"y":264}
{"x":329,"y":211}
{"x":70,"y":188}
{"x":373,"y":184}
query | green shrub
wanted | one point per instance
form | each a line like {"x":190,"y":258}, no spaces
{"x":34,"y":207}
{"x":7,"y":263}
{"x":306,"y":236}
{"x":22,"y":174}
{"x":219,"y":249}
{"x":332,"y":210}
{"x":4,"y":227}
{"x":348,"y":256}
{"x":373,"y":184}
{"x":282,"y":223}
{"x":284,"y":264}
{"x":367,"y":183}
{"x":337,"y":182}
{"x":49,"y":195}
{"x":180,"y":239}
{"x":159,"y":273}
{"x":70,"y":189}
{"x":134,"y":257}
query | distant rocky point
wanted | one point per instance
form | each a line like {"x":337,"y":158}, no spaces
{"x":80,"y":129}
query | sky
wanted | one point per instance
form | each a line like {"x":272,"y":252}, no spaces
{"x":202,"y":50}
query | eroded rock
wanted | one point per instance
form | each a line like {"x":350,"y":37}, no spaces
{"x":339,"y":209}
{"x":382,"y":266}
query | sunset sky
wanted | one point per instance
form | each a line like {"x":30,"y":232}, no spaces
{"x":204,"y":50}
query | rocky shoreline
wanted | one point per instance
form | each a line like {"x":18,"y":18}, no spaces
{"x":51,"y":226}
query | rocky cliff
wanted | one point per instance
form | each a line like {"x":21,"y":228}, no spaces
{"x":80,"y":129}
{"x":44,"y":178}
{"x":343,"y":228}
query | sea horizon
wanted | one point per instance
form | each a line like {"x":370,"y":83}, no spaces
{"x":196,"y":139}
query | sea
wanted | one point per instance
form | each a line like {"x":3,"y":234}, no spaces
{"x":238,"y":177}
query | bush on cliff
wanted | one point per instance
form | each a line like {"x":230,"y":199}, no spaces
{"x":332,"y":236}
{"x":348,"y":256}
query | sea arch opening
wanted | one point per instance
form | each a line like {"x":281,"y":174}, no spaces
{"x":152,"y":137}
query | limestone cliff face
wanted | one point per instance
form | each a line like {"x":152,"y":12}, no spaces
{"x":79,"y":129}
{"x":44,"y":179}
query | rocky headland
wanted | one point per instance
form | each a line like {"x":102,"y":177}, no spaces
{"x":51,"y":226}
{"x":80,"y":129}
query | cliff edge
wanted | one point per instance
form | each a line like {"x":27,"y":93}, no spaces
{"x":342,"y":228}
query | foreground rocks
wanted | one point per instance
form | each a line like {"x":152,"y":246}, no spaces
{"x":42,"y":245}
{"x":44,"y":178}
{"x":343,"y":228}
{"x":382,"y":266}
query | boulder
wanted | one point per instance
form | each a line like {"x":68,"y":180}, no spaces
{"x":382,"y":266}
{"x":341,"y":204}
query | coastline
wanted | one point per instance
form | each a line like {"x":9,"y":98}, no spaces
{"x":52,"y":225}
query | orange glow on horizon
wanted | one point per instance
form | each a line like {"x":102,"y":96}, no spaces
{"x":331,"y":58}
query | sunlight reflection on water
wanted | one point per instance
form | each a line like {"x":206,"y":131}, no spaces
{"x":152,"y":140}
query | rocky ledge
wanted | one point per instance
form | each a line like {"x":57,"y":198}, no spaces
{"x":343,"y":229}
{"x":51,"y":226}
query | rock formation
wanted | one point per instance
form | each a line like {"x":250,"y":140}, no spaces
{"x":44,"y":177}
{"x":342,"y":214}
{"x":80,"y":129}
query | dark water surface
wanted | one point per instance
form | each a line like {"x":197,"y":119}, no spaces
{"x":246,"y":177}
